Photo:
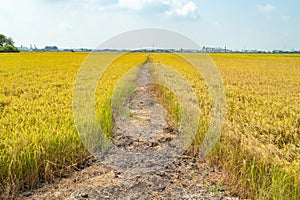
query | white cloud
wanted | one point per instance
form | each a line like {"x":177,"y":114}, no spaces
{"x":137,"y":4}
{"x":266,"y":8}
{"x":181,"y":8}
{"x":131,"y":4}
{"x":176,"y":8}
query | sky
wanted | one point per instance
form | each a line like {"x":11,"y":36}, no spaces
{"x":253,"y":24}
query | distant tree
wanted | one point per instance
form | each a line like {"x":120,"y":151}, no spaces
{"x":2,"y":40}
{"x":9,"y":41}
{"x":7,"y":44}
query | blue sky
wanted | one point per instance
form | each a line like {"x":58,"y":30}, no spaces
{"x":254,"y":24}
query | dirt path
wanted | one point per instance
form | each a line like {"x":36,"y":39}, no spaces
{"x":139,"y":172}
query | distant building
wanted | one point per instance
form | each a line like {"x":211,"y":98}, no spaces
{"x":23,"y":48}
{"x":215,"y":50}
{"x":51,"y":48}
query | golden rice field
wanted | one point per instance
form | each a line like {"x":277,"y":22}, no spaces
{"x":259,"y":146}
{"x":260,"y":143}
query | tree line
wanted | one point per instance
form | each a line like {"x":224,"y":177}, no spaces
{"x":7,"y":44}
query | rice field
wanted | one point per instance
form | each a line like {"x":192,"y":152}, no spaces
{"x":260,"y":143}
{"x":259,"y":146}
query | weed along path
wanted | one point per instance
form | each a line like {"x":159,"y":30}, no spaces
{"x":138,"y":172}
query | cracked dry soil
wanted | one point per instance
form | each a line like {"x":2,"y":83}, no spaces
{"x":144,"y":130}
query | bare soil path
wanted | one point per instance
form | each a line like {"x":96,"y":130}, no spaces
{"x":144,"y":130}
